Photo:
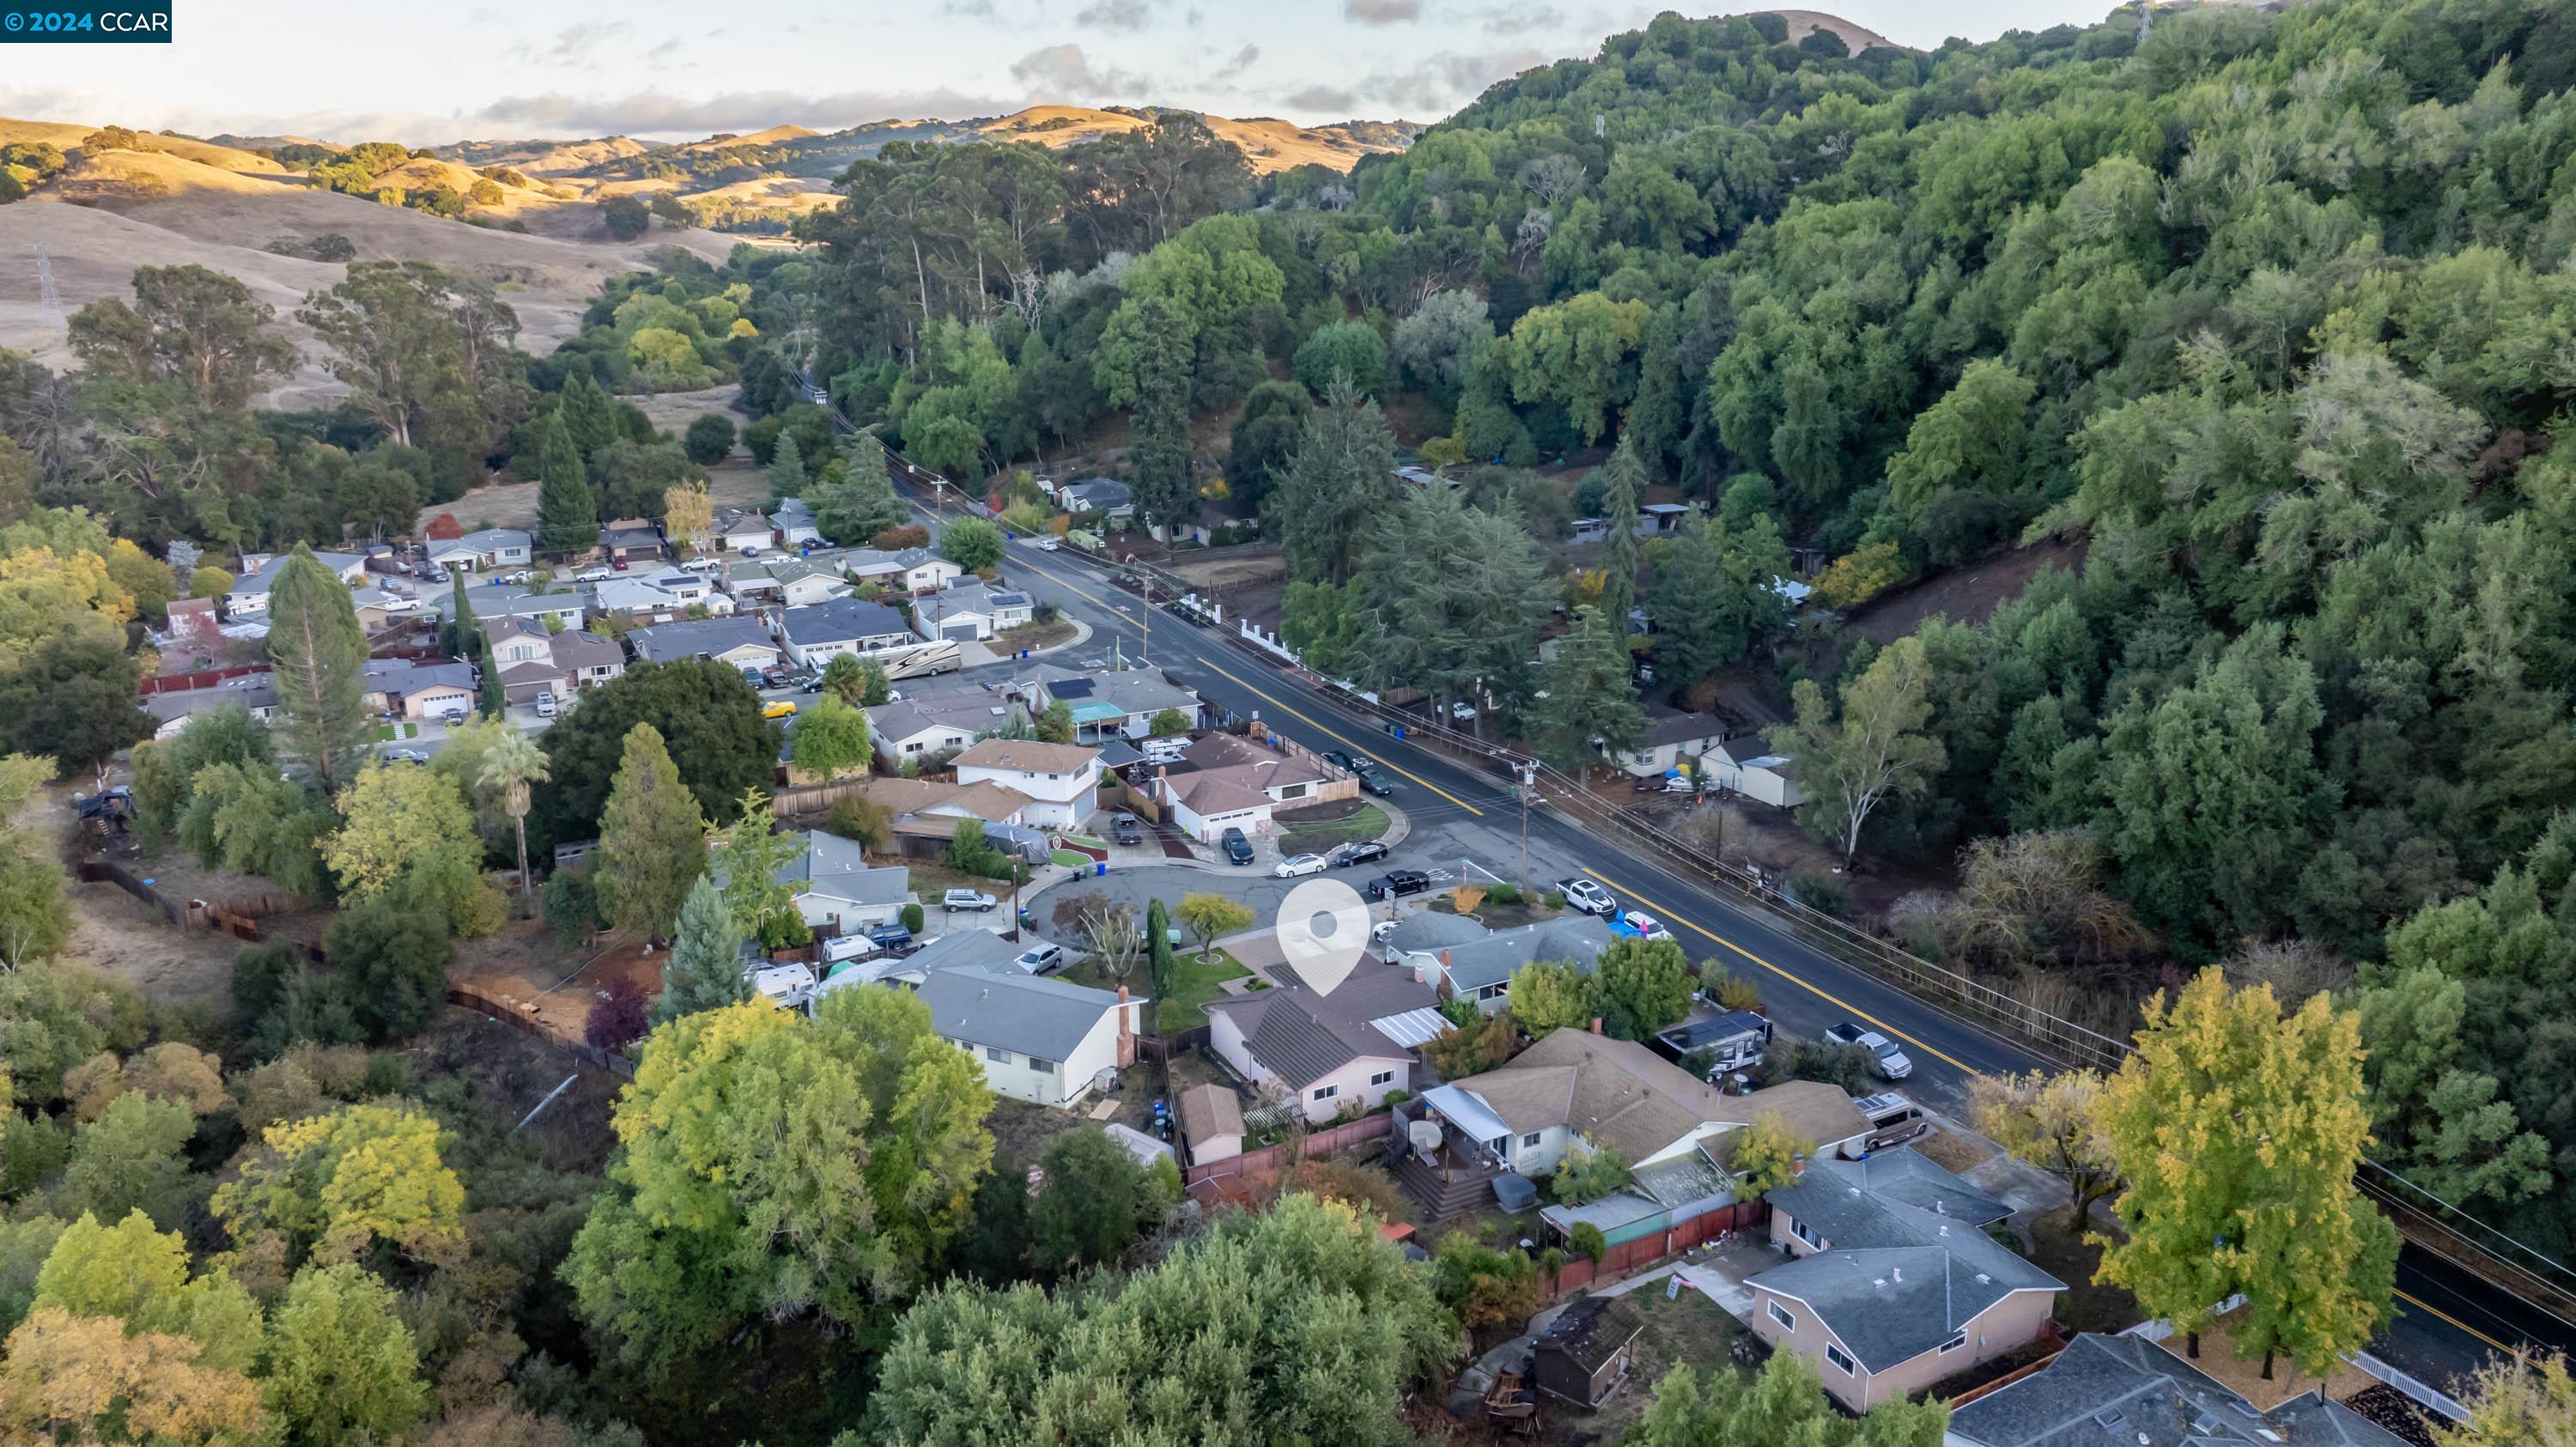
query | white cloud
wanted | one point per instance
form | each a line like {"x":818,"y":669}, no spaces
{"x":1130,"y":15}
{"x":1382,"y":12}
{"x":1063,"y":72}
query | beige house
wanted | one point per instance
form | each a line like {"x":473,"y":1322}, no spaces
{"x":1892,"y":1283}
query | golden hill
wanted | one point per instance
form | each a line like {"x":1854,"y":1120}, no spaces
{"x":1271,"y":145}
{"x":545,"y":158}
{"x":1803,"y":23}
{"x":770,"y":137}
{"x":68,"y":138}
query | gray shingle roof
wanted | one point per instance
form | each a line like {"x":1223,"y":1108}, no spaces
{"x":1475,"y":964}
{"x":1026,"y":1015}
{"x":834,"y":866}
{"x":2118,"y":1391}
{"x":696,"y":636}
{"x":843,"y":620}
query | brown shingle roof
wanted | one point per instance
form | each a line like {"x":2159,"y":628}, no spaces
{"x":1209,"y":1111}
{"x":1027,"y":756}
{"x":1613,"y":1092}
{"x":1302,"y":1036}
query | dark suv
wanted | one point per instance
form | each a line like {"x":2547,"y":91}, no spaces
{"x":1236,"y":847}
{"x":1396,"y":883}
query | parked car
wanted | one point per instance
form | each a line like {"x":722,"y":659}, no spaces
{"x":968,"y":899}
{"x":545,"y":703}
{"x":1039,"y":959}
{"x":1373,"y":781}
{"x":1236,"y":847}
{"x":813,"y":684}
{"x":1366,"y":851}
{"x":891,"y":937}
{"x":775,"y":676}
{"x":1637,"y":925}
{"x":1587,"y":896}
{"x":778,"y":708}
{"x":1462,"y":711}
{"x":1396,"y":883}
{"x":455,"y":716}
{"x":1338,"y":760}
{"x":1126,"y":830}
{"x":1892,"y":1064}
{"x":594,"y":575}
{"x":1049,"y":543}
{"x":405,"y":756}
{"x":1297,"y":864}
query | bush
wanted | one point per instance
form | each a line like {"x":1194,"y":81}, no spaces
{"x":617,"y":1017}
{"x":1737,"y":994}
{"x":571,"y":907}
{"x":1852,"y":1067}
{"x":708,"y":439}
{"x":1820,"y":892}
{"x":862,"y":820}
{"x":1586,"y":1241}
{"x":1503,"y":894}
{"x":913,"y":918}
{"x":625,"y":217}
{"x":897,"y":539}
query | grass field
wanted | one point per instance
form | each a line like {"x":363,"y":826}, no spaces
{"x":1301,"y":837}
{"x":1194,"y":983}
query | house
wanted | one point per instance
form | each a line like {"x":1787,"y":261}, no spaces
{"x":946,"y":721}
{"x":751,"y":583}
{"x":1061,"y":780}
{"x":1749,"y":767}
{"x":1659,"y":519}
{"x":814,"y":636}
{"x":1110,"y":703}
{"x":1039,"y":1040}
{"x":1211,"y":1123}
{"x":737,"y":642}
{"x":1590,"y":530}
{"x":1670,"y":739}
{"x":179,"y":707}
{"x":738,"y":530}
{"x":1228,"y":782}
{"x":417,"y":690}
{"x":664,"y":597}
{"x":248,"y":595}
{"x":195,"y":632}
{"x":914,"y":571}
{"x":631,"y":540}
{"x":377,"y":608}
{"x":919,"y":799}
{"x":793,"y":523}
{"x":1892,"y":1283}
{"x":2105,"y":1390}
{"x":1480,"y":969}
{"x":971,"y":610}
{"x":1582,"y":1357}
{"x":1101,"y":495}
{"x":569,"y":609}
{"x":508,"y":642}
{"x":587,"y":659}
{"x":481,"y":552}
{"x":838,"y":891}
{"x":1336,"y":1053}
{"x":801,"y":583}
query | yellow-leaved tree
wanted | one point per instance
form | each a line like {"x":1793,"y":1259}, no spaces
{"x":337,"y":1186}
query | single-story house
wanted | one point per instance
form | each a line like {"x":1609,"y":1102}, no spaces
{"x":814,"y":636}
{"x":739,"y":642}
{"x":249,"y":593}
{"x":587,"y":659}
{"x":1037,"y":1039}
{"x":1582,"y":1357}
{"x":1750,"y":767}
{"x":971,"y":610}
{"x":1098,"y":494}
{"x":377,"y":608}
{"x":2106,"y":1390}
{"x":1656,"y":519}
{"x":481,"y":552}
{"x":937,"y":723}
{"x":1481,"y":969}
{"x":838,"y":891}
{"x":911,"y":799}
{"x":179,"y":707}
{"x":1228,"y":782}
{"x":1061,"y":780}
{"x":1211,"y":1123}
{"x":508,"y":600}
{"x":1670,"y":739}
{"x":1109,"y":703}
{"x":417,"y":690}
{"x":1887,"y":1296}
{"x":631,"y":540}
{"x":908,"y":570}
{"x":1345,"y":1051}
{"x":196,"y":631}
{"x":751,"y":583}
{"x":736,"y":528}
{"x":793,"y":521}
{"x":804,"y":584}
{"x":664,"y":597}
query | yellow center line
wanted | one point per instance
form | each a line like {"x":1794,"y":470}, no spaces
{"x":2437,"y":1312}
{"x":1855,"y":1011}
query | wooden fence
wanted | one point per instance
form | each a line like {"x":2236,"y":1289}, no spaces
{"x":1272,"y":1159}
{"x":236,"y":917}
{"x":1630,"y":1257}
{"x":202,"y":678}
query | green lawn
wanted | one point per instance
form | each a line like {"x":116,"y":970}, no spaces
{"x":1194,"y":983}
{"x":1071,"y":860}
{"x":1323,"y":834}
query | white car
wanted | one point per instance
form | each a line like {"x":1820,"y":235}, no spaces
{"x":1297,"y":864}
{"x":1041,"y":959}
{"x":1636,"y":926}
{"x":1892,"y":1064}
{"x":1588,"y":897}
{"x":546,"y":704}
{"x":967,"y":899}
{"x":1050,"y":543}
{"x":1462,"y":712}
{"x":600,"y":574}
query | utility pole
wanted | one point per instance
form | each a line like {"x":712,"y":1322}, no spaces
{"x":1145,"y":581}
{"x":1529,"y":786}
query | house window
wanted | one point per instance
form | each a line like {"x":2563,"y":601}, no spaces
{"x":1841,"y":1359}
{"x":913,"y":747}
{"x":1382,"y":1077}
{"x":1042,"y":1067}
{"x":1293,"y":791}
{"x":1804,"y":1232}
{"x":1531,"y":1140}
{"x":1954,"y":1343}
{"x":1781,"y":1315}
{"x":1327,"y":1092}
{"x":996,"y":1055}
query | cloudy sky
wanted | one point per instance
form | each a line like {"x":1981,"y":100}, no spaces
{"x":670,"y":69}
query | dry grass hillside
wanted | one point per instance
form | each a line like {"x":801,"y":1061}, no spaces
{"x":67,"y":138}
{"x":545,"y":158}
{"x":1803,"y":23}
{"x":770,"y":137}
{"x":111,"y":213}
{"x":1271,"y":145}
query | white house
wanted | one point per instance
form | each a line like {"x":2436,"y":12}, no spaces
{"x":509,"y":601}
{"x":1336,"y":1053}
{"x":248,"y":596}
{"x":480,"y":552}
{"x":908,"y":570}
{"x":1061,"y":780}
{"x":1749,"y":767}
{"x":735,"y":529}
{"x":837,"y":889}
{"x":1037,"y":1039}
{"x":794,"y":522}
{"x":662,"y":597}
{"x":1231,"y":783}
{"x":814,"y":636}
{"x":801,"y":584}
{"x":946,"y":721}
{"x":737,"y":642}
{"x":1105,"y":495}
{"x":1672,"y":738}
{"x":971,"y":610}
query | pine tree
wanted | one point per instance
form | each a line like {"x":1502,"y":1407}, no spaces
{"x":1626,"y":476}
{"x":1158,"y":945}
{"x":652,"y":839}
{"x":860,"y":503}
{"x":1591,"y":694}
{"x":589,"y":417}
{"x":567,"y":510}
{"x":319,"y":654}
{"x":1713,"y":600}
{"x":786,"y":469}
{"x":1337,"y":481}
{"x":704,"y":969}
{"x":465,"y":636}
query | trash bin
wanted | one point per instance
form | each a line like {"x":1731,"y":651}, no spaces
{"x":1099,"y":868}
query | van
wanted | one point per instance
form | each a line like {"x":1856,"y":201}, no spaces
{"x":1893,"y":1120}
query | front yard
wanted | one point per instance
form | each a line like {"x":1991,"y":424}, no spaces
{"x":1330,"y":826}
{"x":1032,"y":636}
{"x":1194,"y":983}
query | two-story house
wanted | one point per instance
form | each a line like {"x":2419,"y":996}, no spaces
{"x":1061,"y":780}
{"x":814,"y":636}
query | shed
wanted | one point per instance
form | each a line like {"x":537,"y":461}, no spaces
{"x":1583,"y":1355}
{"x":1211,"y":1123}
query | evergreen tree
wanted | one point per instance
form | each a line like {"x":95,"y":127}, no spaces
{"x":1713,"y":599}
{"x":589,"y":417}
{"x":703,"y":971}
{"x":567,"y":510}
{"x":1591,"y":694}
{"x":1625,"y":476}
{"x":652,"y":839}
{"x":786,"y":469}
{"x":1339,"y":479}
{"x":1158,"y":945}
{"x":318,"y":653}
{"x":464,"y":631}
{"x":1157,"y":384}
{"x":860,"y":502}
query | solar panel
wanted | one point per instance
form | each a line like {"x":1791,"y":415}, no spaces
{"x":1071,"y":688}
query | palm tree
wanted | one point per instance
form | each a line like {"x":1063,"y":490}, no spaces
{"x":509,"y":767}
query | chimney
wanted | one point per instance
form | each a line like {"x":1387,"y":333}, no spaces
{"x":1797,"y":1164}
{"x":1596,"y":1024}
{"x":1126,"y":1031}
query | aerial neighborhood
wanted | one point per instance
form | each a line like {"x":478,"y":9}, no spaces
{"x":1796,"y":734}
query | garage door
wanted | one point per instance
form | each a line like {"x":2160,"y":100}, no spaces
{"x":958,"y":632}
